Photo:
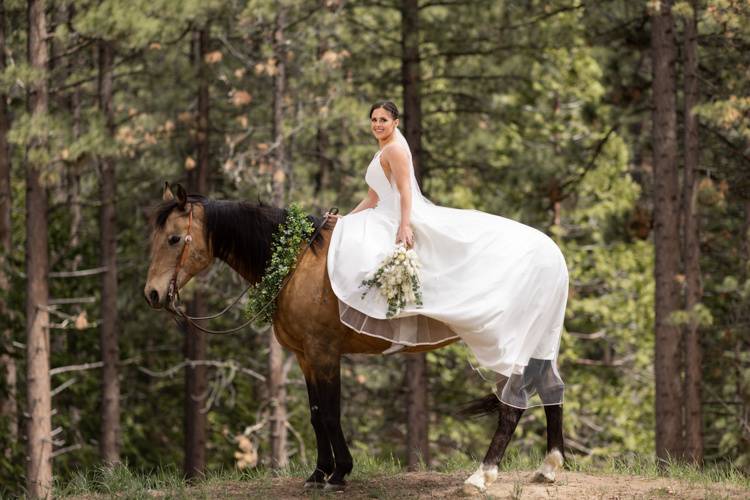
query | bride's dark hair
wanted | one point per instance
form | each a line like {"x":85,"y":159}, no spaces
{"x":386,"y":105}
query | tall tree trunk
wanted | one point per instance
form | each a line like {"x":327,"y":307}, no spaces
{"x":8,"y":405}
{"x":666,"y":236}
{"x":325,"y":165}
{"x":39,"y":404}
{"x":417,"y":423}
{"x":196,"y":378}
{"x":691,"y":248}
{"x":417,"y":439}
{"x":411,"y":81}
{"x":276,"y":387}
{"x":109,"y":446}
{"x":74,"y":184}
{"x":74,"y":170}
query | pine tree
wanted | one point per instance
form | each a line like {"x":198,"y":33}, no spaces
{"x":39,"y":427}
{"x":667,"y":364}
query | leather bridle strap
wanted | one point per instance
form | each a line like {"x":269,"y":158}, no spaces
{"x":172,"y":291}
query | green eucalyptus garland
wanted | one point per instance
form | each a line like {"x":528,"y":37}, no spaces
{"x":286,"y":242}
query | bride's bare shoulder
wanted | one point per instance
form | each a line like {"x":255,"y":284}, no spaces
{"x":394,"y":153}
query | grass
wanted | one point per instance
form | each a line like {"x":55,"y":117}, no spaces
{"x":124,"y":482}
{"x":647,"y":466}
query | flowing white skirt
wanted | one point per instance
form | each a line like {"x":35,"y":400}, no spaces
{"x":499,"y":285}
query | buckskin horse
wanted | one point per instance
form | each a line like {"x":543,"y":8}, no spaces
{"x":191,"y":231}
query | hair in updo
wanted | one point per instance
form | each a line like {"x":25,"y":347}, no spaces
{"x":386,"y":105}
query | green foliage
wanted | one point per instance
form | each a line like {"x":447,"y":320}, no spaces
{"x":289,"y":238}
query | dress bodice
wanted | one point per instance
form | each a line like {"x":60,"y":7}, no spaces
{"x":377,"y":180}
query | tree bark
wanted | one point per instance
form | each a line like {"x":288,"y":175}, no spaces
{"x":417,"y":428}
{"x":196,"y":378}
{"x":8,"y":405}
{"x":322,"y":142}
{"x":417,"y":440}
{"x":74,"y":170}
{"x":109,"y":443}
{"x":325,"y":165}
{"x":39,"y":404}
{"x":691,"y":247}
{"x":196,"y":385}
{"x":666,"y":236}
{"x":411,"y":81}
{"x":276,"y":387}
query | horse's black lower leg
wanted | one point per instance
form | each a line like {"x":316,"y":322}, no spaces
{"x":324,"y":465}
{"x":555,"y":446}
{"x":487,"y":471}
{"x":555,"y":440}
{"x":507,"y":422}
{"x":329,"y":392}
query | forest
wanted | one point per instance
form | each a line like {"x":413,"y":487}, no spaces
{"x":620,"y":128}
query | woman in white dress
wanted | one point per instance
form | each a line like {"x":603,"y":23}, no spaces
{"x":499,"y":285}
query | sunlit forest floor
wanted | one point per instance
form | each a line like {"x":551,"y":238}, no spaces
{"x":635,"y":477}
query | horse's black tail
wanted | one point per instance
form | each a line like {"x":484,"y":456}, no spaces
{"x":487,"y":405}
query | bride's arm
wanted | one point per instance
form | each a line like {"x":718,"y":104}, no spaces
{"x":370,"y":201}
{"x":398,"y":162}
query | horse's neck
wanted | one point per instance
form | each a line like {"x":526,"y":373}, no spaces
{"x":240,"y":269}
{"x":244,"y":256}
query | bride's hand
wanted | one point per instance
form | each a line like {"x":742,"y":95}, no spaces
{"x":331,"y":219}
{"x":405,"y":235}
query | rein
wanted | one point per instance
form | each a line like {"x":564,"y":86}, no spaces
{"x":173,"y":294}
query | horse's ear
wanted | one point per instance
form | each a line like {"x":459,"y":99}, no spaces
{"x":167,"y":195}
{"x":181,"y":196}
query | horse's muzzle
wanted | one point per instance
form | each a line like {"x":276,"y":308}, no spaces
{"x":152,"y":297}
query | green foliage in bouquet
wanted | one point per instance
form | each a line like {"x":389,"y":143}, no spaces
{"x":287,"y":240}
{"x":397,"y":278}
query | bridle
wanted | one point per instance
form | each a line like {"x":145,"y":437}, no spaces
{"x":173,"y":293}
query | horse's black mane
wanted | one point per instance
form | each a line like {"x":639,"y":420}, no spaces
{"x":238,"y":231}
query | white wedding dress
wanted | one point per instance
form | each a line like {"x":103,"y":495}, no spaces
{"x":497,"y":284}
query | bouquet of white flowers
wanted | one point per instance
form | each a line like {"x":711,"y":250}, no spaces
{"x":397,"y":278}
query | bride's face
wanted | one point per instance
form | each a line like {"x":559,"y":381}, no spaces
{"x":382,"y":124}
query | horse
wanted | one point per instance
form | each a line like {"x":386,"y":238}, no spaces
{"x":189,"y":232}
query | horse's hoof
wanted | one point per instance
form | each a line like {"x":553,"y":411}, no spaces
{"x":471,"y":489}
{"x":476,"y":483}
{"x":314,"y":485}
{"x":543,"y":477}
{"x":546,"y":473}
{"x":333,"y":487}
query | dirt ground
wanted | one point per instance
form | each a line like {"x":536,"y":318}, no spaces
{"x":513,"y":485}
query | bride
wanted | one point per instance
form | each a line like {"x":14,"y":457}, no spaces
{"x":497,"y":284}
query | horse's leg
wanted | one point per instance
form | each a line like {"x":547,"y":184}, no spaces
{"x":324,"y":464}
{"x":555,"y":445}
{"x":327,"y":376}
{"x":486,"y":474}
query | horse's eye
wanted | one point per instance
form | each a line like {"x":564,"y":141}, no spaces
{"x":173,"y":240}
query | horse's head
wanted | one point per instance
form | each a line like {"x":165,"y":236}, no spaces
{"x":179,"y":248}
